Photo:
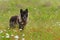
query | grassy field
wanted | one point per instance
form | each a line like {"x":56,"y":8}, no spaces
{"x":43,"y":21}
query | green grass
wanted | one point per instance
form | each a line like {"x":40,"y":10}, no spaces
{"x":43,"y":21}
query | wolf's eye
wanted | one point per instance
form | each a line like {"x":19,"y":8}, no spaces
{"x":22,"y":14}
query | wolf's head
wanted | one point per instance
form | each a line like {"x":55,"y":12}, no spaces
{"x":24,"y":14}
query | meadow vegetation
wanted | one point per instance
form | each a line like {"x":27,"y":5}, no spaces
{"x":43,"y":21}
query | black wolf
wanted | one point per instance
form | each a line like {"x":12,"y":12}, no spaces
{"x":21,"y":20}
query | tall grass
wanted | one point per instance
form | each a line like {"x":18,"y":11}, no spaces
{"x":43,"y":21}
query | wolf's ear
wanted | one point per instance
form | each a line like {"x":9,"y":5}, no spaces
{"x":21,"y":10}
{"x":26,"y":10}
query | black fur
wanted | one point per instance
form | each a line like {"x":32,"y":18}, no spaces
{"x":21,"y":20}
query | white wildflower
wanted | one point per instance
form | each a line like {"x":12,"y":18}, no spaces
{"x":8,"y":28}
{"x":23,"y":35}
{"x":23,"y":38}
{"x":12,"y":35}
{"x":1,"y":31}
{"x":16,"y":36}
{"x":7,"y":36}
